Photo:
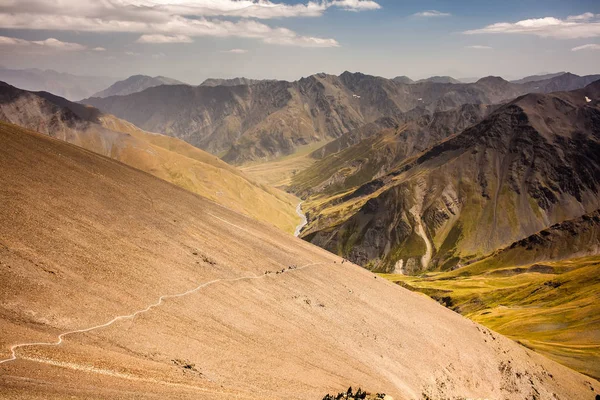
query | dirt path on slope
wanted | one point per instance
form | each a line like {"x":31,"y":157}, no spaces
{"x":159,"y":302}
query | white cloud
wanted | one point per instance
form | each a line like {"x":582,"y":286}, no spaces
{"x":289,"y":38}
{"x":586,"y":47}
{"x":164,"y":39}
{"x":98,"y":49}
{"x":355,"y":5}
{"x":432,"y":13}
{"x":261,"y":9}
{"x":159,"y":55}
{"x":479,"y":47}
{"x":132,"y":53}
{"x":235,"y":51}
{"x":583,"y":17}
{"x":48,"y":44}
{"x":174,"y":21}
{"x":578,"y":26}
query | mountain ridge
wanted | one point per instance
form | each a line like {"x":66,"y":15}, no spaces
{"x":272,"y":119}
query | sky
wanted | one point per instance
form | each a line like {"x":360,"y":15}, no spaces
{"x":192,"y":40}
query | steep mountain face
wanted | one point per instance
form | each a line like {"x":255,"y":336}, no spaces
{"x":354,"y":136}
{"x":165,"y":157}
{"x":443,"y":123}
{"x":371,"y":151}
{"x":233,"y":81}
{"x":158,"y":293}
{"x":532,"y":163}
{"x":567,"y":82}
{"x":270,"y":119}
{"x":72,"y":87}
{"x":134,"y":84}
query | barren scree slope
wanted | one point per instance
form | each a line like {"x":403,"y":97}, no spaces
{"x":84,"y":239}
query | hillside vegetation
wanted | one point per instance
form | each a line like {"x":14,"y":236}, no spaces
{"x":543,"y":291}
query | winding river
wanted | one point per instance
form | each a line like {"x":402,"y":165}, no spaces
{"x":304,"y":221}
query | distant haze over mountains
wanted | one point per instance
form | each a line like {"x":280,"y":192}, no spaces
{"x":136,"y":83}
{"x":541,"y":77}
{"x":72,"y":87}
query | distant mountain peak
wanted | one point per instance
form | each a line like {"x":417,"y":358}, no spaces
{"x":403,"y":79}
{"x":492,"y":80}
{"x":136,"y":83}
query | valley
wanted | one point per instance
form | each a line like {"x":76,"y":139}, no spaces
{"x":478,"y":201}
{"x":299,"y":200}
{"x":168,"y":313}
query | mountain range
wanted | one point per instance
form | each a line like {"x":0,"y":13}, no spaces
{"x":483,"y":196}
{"x":272,"y":119}
{"x":232,"y":82}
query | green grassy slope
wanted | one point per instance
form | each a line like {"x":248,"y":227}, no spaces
{"x":552,"y":308}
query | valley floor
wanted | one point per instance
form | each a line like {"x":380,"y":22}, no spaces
{"x":280,"y":171}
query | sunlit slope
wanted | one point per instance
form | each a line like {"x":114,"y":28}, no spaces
{"x":85,"y":239}
{"x":246,"y":194}
{"x":552,"y":308}
{"x":165,"y":157}
{"x":543,"y":291}
{"x":280,"y":171}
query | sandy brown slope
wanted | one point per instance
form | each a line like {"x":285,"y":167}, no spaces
{"x":165,"y":157}
{"x":84,"y":239}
